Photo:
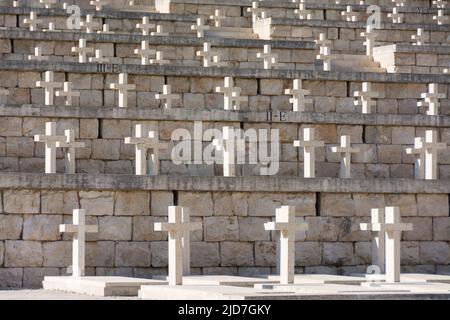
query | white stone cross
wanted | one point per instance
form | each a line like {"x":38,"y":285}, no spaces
{"x":51,"y":27}
{"x":440,"y":3}
{"x":431,"y":99}
{"x":285,"y":223}
{"x":99,"y":57}
{"x":48,"y":3}
{"x":399,"y":3}
{"x":33,"y":21}
{"x":441,"y":18}
{"x":186,"y":242}
{"x":49,"y":85}
{"x":159,"y":32}
{"x":255,"y":11}
{"x":167,"y":96}
{"x":123,"y":87}
{"x":431,"y":152}
{"x":346,"y":152}
{"x":299,"y":94}
{"x":370,"y":34}
{"x":349,"y":14}
{"x":227,"y":147}
{"x":82,"y":50}
{"x":270,"y":59}
{"x":79,"y":230}
{"x":90,"y":24}
{"x":396,"y":16}
{"x":231,"y":95}
{"x":324,"y":51}
{"x":105,"y":29}
{"x":38,"y":55}
{"x":177,"y":229}
{"x":309,"y":145}
{"x":145,"y":52}
{"x":99,"y":4}
{"x":159,"y":59}
{"x":145,"y":141}
{"x":419,"y":165}
{"x":218,"y":18}
{"x":210,"y":58}
{"x":145,"y":26}
{"x":302,"y":13}
{"x":51,"y":139}
{"x":419,"y":38}
{"x":200,"y":27}
{"x":378,"y":237}
{"x":68,"y":93}
{"x":365,"y":96}
{"x":71,"y":145}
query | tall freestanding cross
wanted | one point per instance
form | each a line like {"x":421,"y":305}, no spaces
{"x":82,"y":50}
{"x":302,"y":13}
{"x":309,"y":151}
{"x":51,"y":139}
{"x":200,"y":27}
{"x":231,"y":95}
{"x":167,"y":96}
{"x":98,"y":4}
{"x":349,"y":14}
{"x":123,"y":88}
{"x":227,"y":147}
{"x":218,"y":17}
{"x":378,"y":238}
{"x":33,"y":21}
{"x":396,"y":16}
{"x":419,"y":166}
{"x":68,"y":93}
{"x":441,"y":18}
{"x":176,"y":229}
{"x":431,"y":152}
{"x":287,"y":226}
{"x":71,"y":145}
{"x":210,"y":58}
{"x":145,"y":52}
{"x":324,"y":51}
{"x":419,"y":38}
{"x":365,"y":96}
{"x":255,"y":11}
{"x":270,"y":59}
{"x":298,"y":99}
{"x":90,"y":24}
{"x":346,"y":151}
{"x":431,"y":99}
{"x":145,"y":26}
{"x":49,"y":85}
{"x":79,"y":230}
{"x":38,"y":55}
{"x":142,"y":145}
{"x":370,"y":34}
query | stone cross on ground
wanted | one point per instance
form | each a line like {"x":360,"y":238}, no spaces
{"x":159,"y":59}
{"x":159,"y":32}
{"x":176,"y":229}
{"x":38,"y":55}
{"x":346,"y":151}
{"x":365,"y":96}
{"x":226,"y":146}
{"x":309,"y":145}
{"x":218,"y":17}
{"x":145,"y":52}
{"x":431,"y":152}
{"x":349,"y":14}
{"x":49,"y":85}
{"x":210,"y":58}
{"x":285,"y":223}
{"x":123,"y":87}
{"x":33,"y":21}
{"x":200,"y":27}
{"x":299,"y":94}
{"x":270,"y":59}
{"x":98,"y":4}
{"x":231,"y":95}
{"x":419,"y":165}
{"x":324,"y":51}
{"x":90,"y":24}
{"x":378,"y":237}
{"x":145,"y":26}
{"x":396,"y":16}
{"x":82,"y":51}
{"x":68,"y":93}
{"x":99,"y":57}
{"x":419,"y":38}
{"x":370,"y":34}
{"x":167,"y":96}
{"x":255,"y":11}
{"x":145,"y":141}
{"x":302,"y":13}
{"x":441,"y":18}
{"x":79,"y":230}
{"x":51,"y":139}
{"x":71,"y":145}
{"x":431,"y":99}
{"x":48,"y":3}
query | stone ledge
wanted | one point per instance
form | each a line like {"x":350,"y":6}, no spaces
{"x":208,"y":184}
{"x":409,"y":48}
{"x":221,"y":72}
{"x":181,"y":114}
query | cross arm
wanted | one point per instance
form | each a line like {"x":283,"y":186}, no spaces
{"x":180,"y":227}
{"x":71,"y":228}
{"x":45,"y":138}
{"x":286,"y":226}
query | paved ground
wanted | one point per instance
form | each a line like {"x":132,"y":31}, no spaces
{"x":50,"y":295}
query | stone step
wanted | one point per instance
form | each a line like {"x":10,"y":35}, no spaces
{"x":234,"y":33}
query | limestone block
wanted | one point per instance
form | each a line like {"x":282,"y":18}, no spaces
{"x":223,"y":204}
{"x":423,"y":229}
{"x":389,"y":153}
{"x":21,"y":201}
{"x":159,"y":250}
{"x":433,"y":205}
{"x":321,"y":270}
{"x":308,"y":253}
{"x":325,"y":132}
{"x":201,"y":85}
{"x":57,"y":254}
{"x":364,"y":202}
{"x":10,"y":227}
{"x":221,"y":228}
{"x":100,"y":254}
{"x":205,"y":254}
{"x":114,"y":228}
{"x":335,"y":88}
{"x":41,"y":227}
{"x":378,"y":134}
{"x":97,"y":203}
{"x":425,"y":59}
{"x":10,"y":278}
{"x":179,"y":84}
{"x":191,"y":101}
{"x":263,"y":204}
{"x":349,"y":229}
{"x":23,"y":254}
{"x":337,"y":204}
{"x":199,"y":204}
{"x":236,"y":254}
{"x":406,"y":203}
{"x":106,"y":149}
{"x":143,"y":229}
{"x":80,"y":81}
{"x":367,"y":153}
{"x":249,"y":87}
{"x":265,"y":253}
{"x":324,"y":104}
{"x":19,"y":147}
{"x":338,"y":254}
{"x":33,"y":277}
{"x":363,"y":253}
{"x":355,"y":132}
{"x":271,"y":87}
{"x":28,"y":79}
{"x":115,"y":129}
{"x":5,"y":46}
{"x":132,"y":254}
{"x":441,"y":229}
{"x":434,"y":252}
{"x":403,"y":135}
{"x":10,"y":126}
{"x":409,"y":252}
{"x":132,"y":203}
{"x":160,"y":200}
{"x":94,"y":98}
{"x":322,"y":229}
{"x":252,"y":229}
{"x":287,"y":132}
{"x":9,"y":78}
{"x":240,"y":203}
{"x":305,"y":203}
{"x":58,"y":202}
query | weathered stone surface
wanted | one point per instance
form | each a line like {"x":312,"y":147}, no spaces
{"x":441,"y":229}
{"x":252,"y":229}
{"x":106,"y":149}
{"x":23,"y":254}
{"x":349,"y":229}
{"x":59,"y":202}
{"x":10,"y":278}
{"x":132,"y":254}
{"x":33,"y":277}
{"x":338,"y":254}
{"x":337,"y":204}
{"x":2,"y":252}
{"x":406,"y":202}
{"x":10,"y":127}
{"x":10,"y":227}
{"x":57,"y":254}
{"x":114,"y":228}
{"x":409,"y":251}
{"x":97,"y":203}
{"x":160,"y":200}
{"x":100,"y":254}
{"x":89,"y":128}
{"x":434,"y":252}
{"x":265,"y":253}
{"x":308,"y":253}
{"x":205,"y":254}
{"x":41,"y":227}
{"x":364,"y":202}
{"x":143,"y":229}
{"x":433,"y":205}
{"x":236,"y":254}
{"x":21,"y":201}
{"x":221,"y":228}
{"x":263,"y":204}
{"x":423,"y":229}
{"x":322,"y":229}
{"x":199,"y":204}
{"x":159,"y":250}
{"x":132,"y":203}
{"x":363,"y":253}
